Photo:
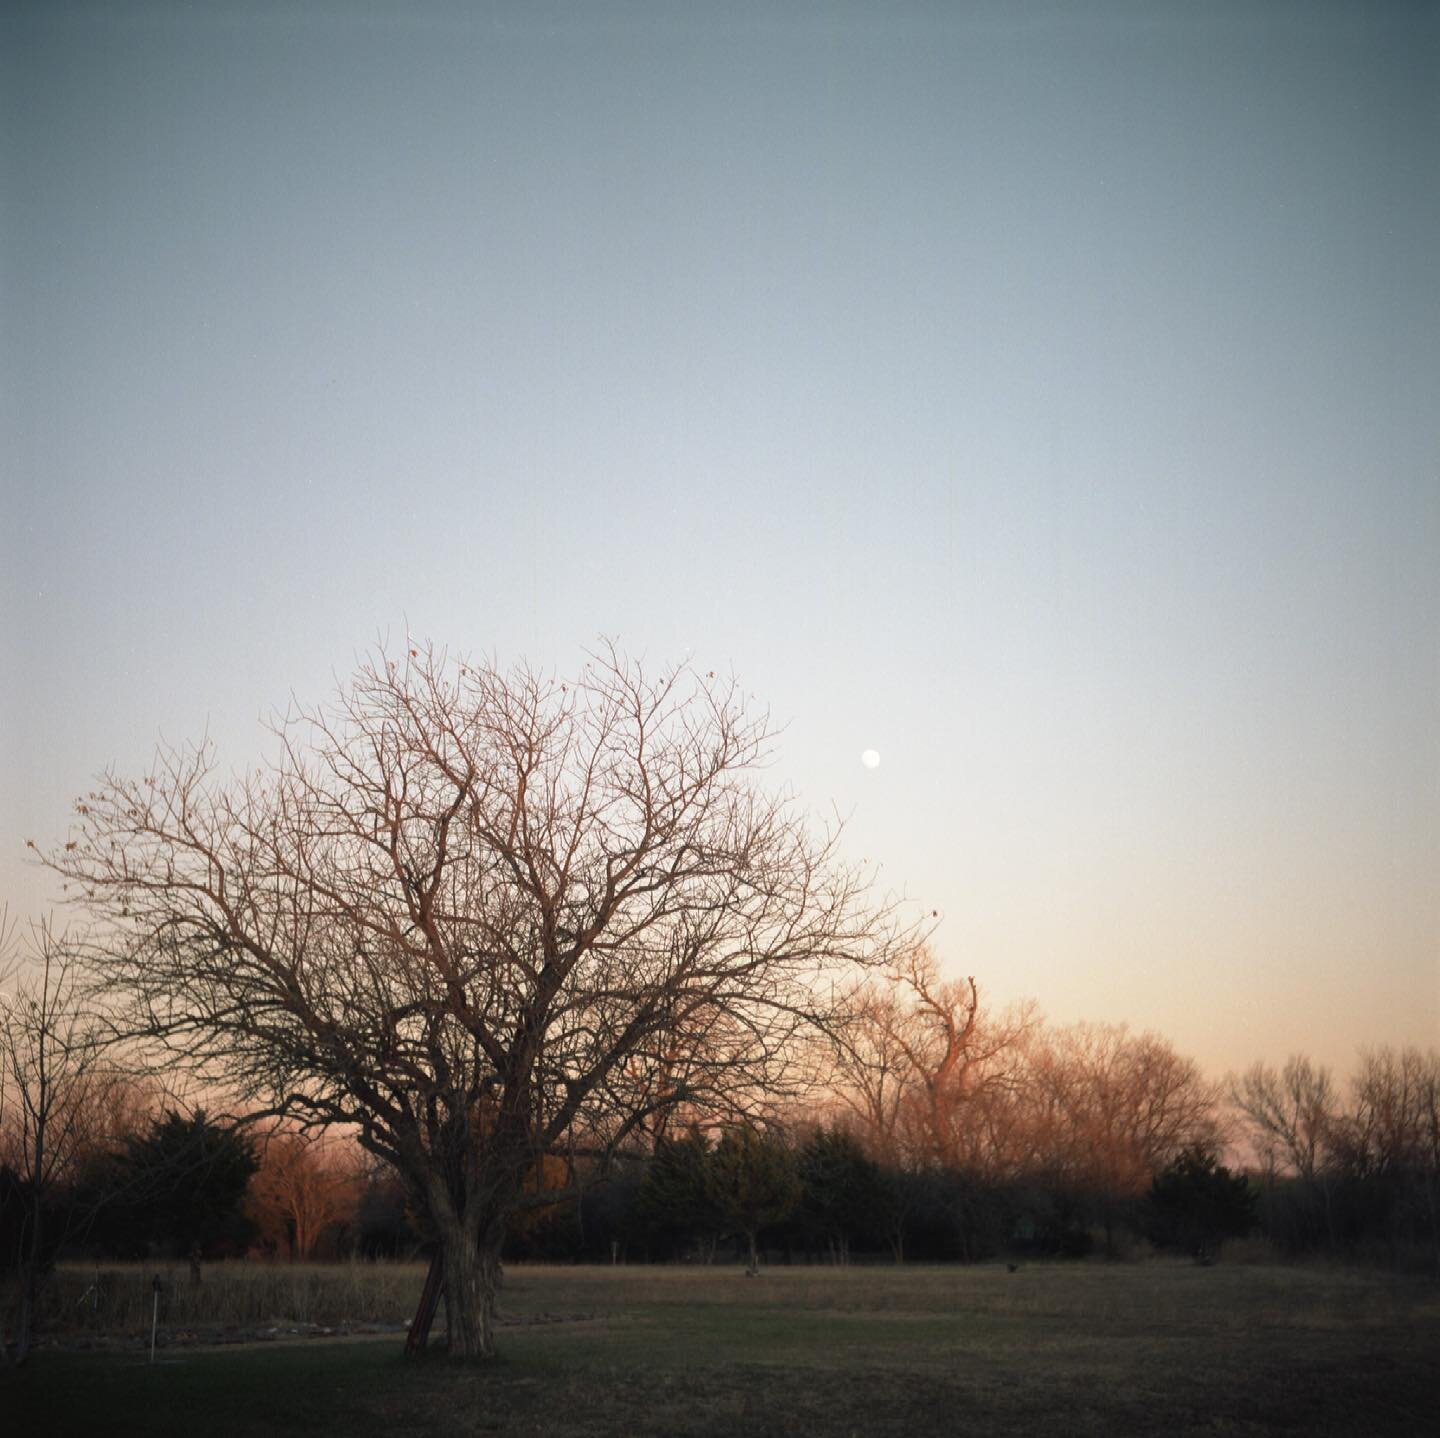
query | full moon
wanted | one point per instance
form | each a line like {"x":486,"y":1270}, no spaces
{"x":871,"y":758}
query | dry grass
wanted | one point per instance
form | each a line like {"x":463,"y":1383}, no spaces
{"x":116,"y":1299}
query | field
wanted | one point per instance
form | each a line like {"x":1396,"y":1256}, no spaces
{"x":1051,"y":1349}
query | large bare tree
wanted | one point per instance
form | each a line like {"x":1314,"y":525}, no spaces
{"x":481,"y":915}
{"x":920,"y":1064}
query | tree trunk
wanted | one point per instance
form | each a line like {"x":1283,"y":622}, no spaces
{"x":29,"y":1290}
{"x":896,"y":1239}
{"x":25,"y":1322}
{"x":472,"y":1277}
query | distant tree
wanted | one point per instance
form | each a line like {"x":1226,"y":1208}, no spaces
{"x":960,"y":1056}
{"x":1290,"y":1113}
{"x":1107,"y":1109}
{"x":675,"y":1203}
{"x":183,"y":1184}
{"x":607,"y":1213}
{"x":872,"y":1071}
{"x":56,"y":1090}
{"x":1393,"y":1124}
{"x":305,"y":1185}
{"x":539,"y":1227}
{"x":752,"y":1181}
{"x":1292,"y":1117}
{"x":841,"y":1196}
{"x":383,"y":1215}
{"x":919,"y":1059}
{"x":901,"y":1191}
{"x":1195,"y":1204}
{"x":1385,"y":1152}
{"x":1049,"y":1220}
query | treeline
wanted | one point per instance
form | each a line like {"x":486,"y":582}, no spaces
{"x":932,"y":1129}
{"x":189,"y":1188}
{"x":1355,"y":1174}
{"x":819,"y":1197}
{"x":167,"y":1184}
{"x":951,"y":1132}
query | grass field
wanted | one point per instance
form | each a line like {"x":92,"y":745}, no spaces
{"x":1053,"y":1349}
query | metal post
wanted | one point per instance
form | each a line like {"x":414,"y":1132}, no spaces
{"x":154,"y":1313}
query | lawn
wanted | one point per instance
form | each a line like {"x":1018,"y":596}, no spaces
{"x":1052,"y":1349}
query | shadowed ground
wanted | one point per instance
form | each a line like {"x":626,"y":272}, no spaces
{"x":1078,"y":1349}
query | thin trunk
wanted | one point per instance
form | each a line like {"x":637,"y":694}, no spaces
{"x":29,"y":1288}
{"x":25,"y":1322}
{"x":1329,"y":1212}
{"x":1430,"y":1198}
{"x":896,"y":1238}
{"x":30,"y":1262}
{"x":419,"y":1335}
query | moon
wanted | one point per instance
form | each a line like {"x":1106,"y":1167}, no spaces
{"x":871,"y":758}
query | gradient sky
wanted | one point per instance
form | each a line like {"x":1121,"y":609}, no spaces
{"x":1045,"y":395}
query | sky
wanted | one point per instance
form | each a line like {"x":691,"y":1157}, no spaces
{"x":1042,"y":395}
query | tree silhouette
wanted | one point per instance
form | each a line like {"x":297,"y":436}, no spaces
{"x":1196,"y":1203}
{"x":483,"y":917}
{"x":752,"y":1181}
{"x":181,"y":1184}
{"x":674,"y":1202}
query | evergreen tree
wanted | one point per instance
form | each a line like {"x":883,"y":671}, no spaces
{"x":675,"y":1204}
{"x":181,"y":1184}
{"x":751,"y":1180}
{"x":1196,"y":1203}
{"x":840,"y":1198}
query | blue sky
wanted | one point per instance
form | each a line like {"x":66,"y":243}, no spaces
{"x":1042,"y":395}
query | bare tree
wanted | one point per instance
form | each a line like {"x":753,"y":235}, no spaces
{"x":920,"y":1059}
{"x":306,"y":1183}
{"x":1290,"y":1113}
{"x":56,"y":1093}
{"x":1388,"y":1144}
{"x":1393,"y":1125}
{"x":872,"y":1071}
{"x":1108,"y":1109}
{"x":961,"y":1058}
{"x":480,"y":915}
